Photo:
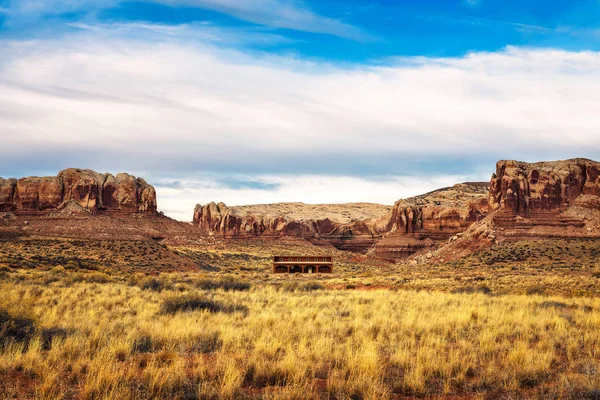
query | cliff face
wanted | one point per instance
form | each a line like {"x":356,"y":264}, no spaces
{"x":346,"y":226}
{"x":408,"y":226}
{"x":539,"y":199}
{"x":522,"y":200}
{"x":543,"y":200}
{"x":447,"y":209}
{"x":524,"y":188}
{"x":88,"y":189}
{"x":420,"y":223}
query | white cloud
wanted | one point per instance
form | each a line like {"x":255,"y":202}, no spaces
{"x":203,"y":32}
{"x":120,"y":91}
{"x":278,"y":13}
{"x":168,"y":108}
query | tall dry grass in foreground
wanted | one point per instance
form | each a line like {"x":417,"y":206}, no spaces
{"x":111,"y":340}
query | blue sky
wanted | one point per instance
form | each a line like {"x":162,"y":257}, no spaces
{"x":251,"y":101}
{"x":353,"y":31}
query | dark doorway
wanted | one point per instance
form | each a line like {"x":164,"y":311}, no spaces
{"x":281,"y":268}
{"x":296,"y":269}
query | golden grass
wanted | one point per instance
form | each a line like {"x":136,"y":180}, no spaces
{"x":112,"y":341}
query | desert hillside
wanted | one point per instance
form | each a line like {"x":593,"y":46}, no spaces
{"x":339,"y":213}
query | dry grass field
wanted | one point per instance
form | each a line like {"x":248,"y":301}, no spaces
{"x":117,"y":319}
{"x":81,"y":334}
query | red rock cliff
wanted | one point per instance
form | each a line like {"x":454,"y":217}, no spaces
{"x":422,"y":222}
{"x":550,"y":199}
{"x":552,"y":186}
{"x":88,"y":189}
{"x":346,"y":226}
{"x":395,"y":231}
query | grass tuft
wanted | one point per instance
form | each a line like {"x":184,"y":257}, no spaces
{"x":15,"y":327}
{"x":226,"y":283}
{"x":155,"y":284}
{"x":194,"y":302}
{"x":302,"y":287}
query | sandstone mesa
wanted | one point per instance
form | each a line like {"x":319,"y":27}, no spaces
{"x":559,"y":199}
{"x":544,"y":199}
{"x":84,"y":188}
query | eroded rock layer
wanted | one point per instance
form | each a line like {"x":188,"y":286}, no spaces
{"x":543,"y":200}
{"x":421,"y":223}
{"x":346,"y":226}
{"x":532,"y":198}
{"x":524,"y":188}
{"x":522,"y":201}
{"x":392,"y":232}
{"x":82,"y":187}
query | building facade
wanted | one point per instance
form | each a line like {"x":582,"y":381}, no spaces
{"x":302,"y":264}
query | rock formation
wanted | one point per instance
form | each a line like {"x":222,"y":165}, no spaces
{"x":408,"y":226}
{"x":420,"y":223}
{"x":85,"y":188}
{"x":7,"y":193}
{"x":522,"y":201}
{"x":534,"y":198}
{"x":347,"y":226}
{"x":556,"y":199}
{"x":524,"y":188}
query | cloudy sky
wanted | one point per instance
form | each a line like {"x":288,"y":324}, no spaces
{"x":320,"y":101}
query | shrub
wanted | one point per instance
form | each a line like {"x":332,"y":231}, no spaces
{"x":207,"y":342}
{"x":142,"y":344}
{"x":555,"y":304}
{"x":155,"y":284}
{"x":470,"y":289}
{"x":302,"y":287}
{"x":98,"y":277}
{"x":71,"y":265}
{"x":535,"y":289}
{"x":192,"y":302}
{"x":48,"y":334}
{"x":227,"y":284}
{"x":15,"y":327}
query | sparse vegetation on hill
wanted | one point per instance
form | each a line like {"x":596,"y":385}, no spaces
{"x":132,"y":255}
{"x":543,"y":254}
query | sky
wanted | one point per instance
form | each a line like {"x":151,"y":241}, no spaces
{"x":319,"y":101}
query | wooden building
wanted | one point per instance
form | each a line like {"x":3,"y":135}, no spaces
{"x":302,"y":264}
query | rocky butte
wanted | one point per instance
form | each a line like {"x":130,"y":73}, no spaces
{"x":545,"y":198}
{"x":522,"y":201}
{"x":526,"y":188}
{"x":424,"y":222}
{"x":558,"y":199}
{"x":394,"y":231}
{"x":347,"y":226}
{"x":82,"y":188}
